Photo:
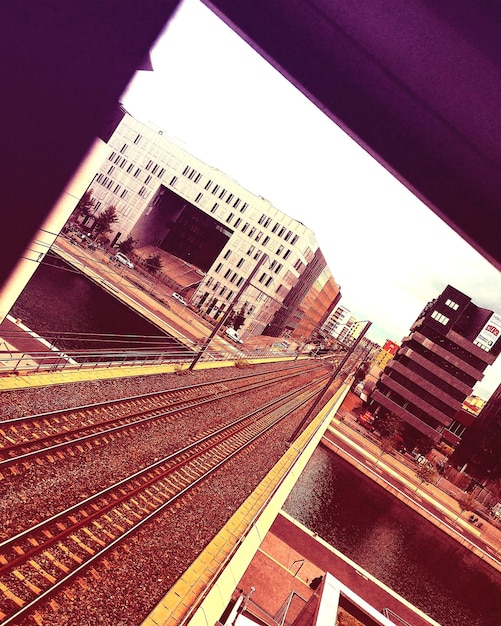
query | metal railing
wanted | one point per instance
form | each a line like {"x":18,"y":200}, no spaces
{"x":14,"y":362}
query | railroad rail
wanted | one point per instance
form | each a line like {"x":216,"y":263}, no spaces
{"x":26,"y":438}
{"x":37,"y":562}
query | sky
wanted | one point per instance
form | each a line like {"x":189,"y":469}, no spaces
{"x":223,"y":103}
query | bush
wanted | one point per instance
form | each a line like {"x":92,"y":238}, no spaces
{"x":241,"y":363}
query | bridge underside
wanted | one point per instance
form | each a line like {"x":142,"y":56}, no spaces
{"x":416,"y":83}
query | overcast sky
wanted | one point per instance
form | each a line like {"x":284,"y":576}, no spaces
{"x":227,"y":106}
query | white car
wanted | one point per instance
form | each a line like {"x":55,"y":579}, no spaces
{"x":232,"y":334}
{"x":179,"y":298}
{"x":121,"y":258}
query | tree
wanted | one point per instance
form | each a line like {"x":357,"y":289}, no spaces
{"x":84,"y":206}
{"x":391,"y":425}
{"x":239,"y":319}
{"x":104,"y":221}
{"x":426,"y":472}
{"x":467,"y":502}
{"x":127,"y":245}
{"x":361,"y":372}
{"x":153,"y":264}
{"x":423,"y":443}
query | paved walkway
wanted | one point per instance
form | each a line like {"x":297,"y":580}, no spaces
{"x":398,"y":476}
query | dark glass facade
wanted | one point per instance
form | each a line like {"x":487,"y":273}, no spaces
{"x":438,"y":363}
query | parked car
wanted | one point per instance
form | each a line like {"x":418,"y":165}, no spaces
{"x":121,"y":258}
{"x":179,"y":298}
{"x":232,"y":334}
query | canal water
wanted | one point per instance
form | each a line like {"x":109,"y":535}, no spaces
{"x":394,"y":543}
{"x":69,"y":310}
{"x":331,"y":498}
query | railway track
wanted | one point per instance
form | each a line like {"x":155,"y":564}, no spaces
{"x":25,"y":439}
{"x":37,"y":562}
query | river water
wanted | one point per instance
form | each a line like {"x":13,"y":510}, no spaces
{"x":63,"y":306}
{"x":331,"y":498}
{"x":394,"y":543}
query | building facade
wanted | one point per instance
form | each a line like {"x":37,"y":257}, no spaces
{"x":168,"y":198}
{"x":434,"y":370}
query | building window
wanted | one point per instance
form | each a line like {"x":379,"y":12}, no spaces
{"x":232,"y":279}
{"x":227,"y":254}
{"x":137,"y":139}
{"x":124,"y":148}
{"x":214,"y":190}
{"x":227,"y":273}
{"x":275,"y":228}
{"x":214,"y":208}
{"x":219,"y":267}
{"x":223,"y":289}
{"x":294,"y":239}
{"x":278,"y":268}
{"x":269,"y":281}
{"x":109,"y":185}
{"x":118,"y":158}
{"x":110,"y":158}
{"x":287,"y":254}
{"x":197,"y":178}
{"x":237,"y":222}
{"x":110,"y":171}
{"x":288,"y":235}
{"x":240,"y":281}
{"x":147,"y":179}
{"x":259,"y":235}
{"x":117,"y":189}
{"x":199,"y":197}
{"x":439,"y":317}
{"x":240,"y":263}
{"x":262,"y":218}
{"x":229,"y":198}
{"x":123,"y":162}
{"x":161,"y":172}
{"x":130,"y":168}
{"x":150,"y":163}
{"x":252,"y":231}
{"x":229,"y":294}
{"x":221,"y":195}
{"x":142,"y":192}
{"x":262,"y":277}
{"x":236,"y":203}
{"x":250,"y":250}
{"x":186,"y":170}
{"x":245,"y":227}
{"x":229,"y":218}
{"x":266,"y":240}
{"x":173,"y":181}
{"x":137,"y":172}
{"x":208,"y":184}
{"x":451,"y":303}
{"x":154,"y":169}
{"x":280,"y":249}
{"x":267,"y":222}
{"x":244,"y":207}
{"x":281,"y":231}
{"x":124,"y":193}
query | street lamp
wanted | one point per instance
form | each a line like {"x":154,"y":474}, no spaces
{"x":329,"y":382}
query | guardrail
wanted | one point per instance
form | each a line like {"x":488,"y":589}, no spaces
{"x":13,"y":362}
